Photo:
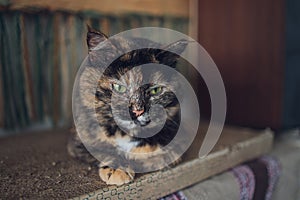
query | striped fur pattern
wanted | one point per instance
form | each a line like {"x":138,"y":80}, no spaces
{"x":123,"y":79}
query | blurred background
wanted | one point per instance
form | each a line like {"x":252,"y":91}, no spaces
{"x":255,"y":44}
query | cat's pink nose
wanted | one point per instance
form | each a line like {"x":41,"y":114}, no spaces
{"x":138,"y":112}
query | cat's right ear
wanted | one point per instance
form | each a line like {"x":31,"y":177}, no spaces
{"x":94,"y":37}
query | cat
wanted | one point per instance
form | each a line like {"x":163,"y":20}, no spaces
{"x":112,"y":139}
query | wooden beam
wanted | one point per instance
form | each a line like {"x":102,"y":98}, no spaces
{"x":178,"y":8}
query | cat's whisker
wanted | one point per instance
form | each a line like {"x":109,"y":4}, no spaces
{"x":174,"y":122}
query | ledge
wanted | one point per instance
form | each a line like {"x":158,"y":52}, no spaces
{"x":179,"y":8}
{"x":36,"y":165}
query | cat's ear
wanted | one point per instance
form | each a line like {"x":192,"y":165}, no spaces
{"x":94,"y":37}
{"x":169,"y":54}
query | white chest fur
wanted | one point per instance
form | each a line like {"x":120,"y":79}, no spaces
{"x":125,"y":144}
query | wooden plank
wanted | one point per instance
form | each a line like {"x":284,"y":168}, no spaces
{"x":152,"y":7}
{"x":16,"y":114}
{"x":28,"y":82}
{"x":46,"y":41}
{"x":34,"y":70}
{"x":233,"y":149}
{"x":193,"y":19}
{"x":56,"y":74}
{"x":64,"y":64}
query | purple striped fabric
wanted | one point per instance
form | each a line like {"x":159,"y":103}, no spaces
{"x":274,"y":169}
{"x":256,"y":180}
{"x":246,"y":180}
{"x":266,"y":170}
{"x":175,"y":196}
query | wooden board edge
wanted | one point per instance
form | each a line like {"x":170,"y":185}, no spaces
{"x":161,"y":183}
{"x":178,"y":8}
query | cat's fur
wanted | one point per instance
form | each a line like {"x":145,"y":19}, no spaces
{"x":111,"y":137}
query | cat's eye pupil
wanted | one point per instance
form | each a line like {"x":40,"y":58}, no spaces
{"x":119,"y":88}
{"x":155,"y":90}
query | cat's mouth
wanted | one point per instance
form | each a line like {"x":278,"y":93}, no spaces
{"x":139,"y":115}
{"x":143,"y":119}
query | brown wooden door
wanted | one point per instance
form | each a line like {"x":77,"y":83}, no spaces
{"x":246,"y":40}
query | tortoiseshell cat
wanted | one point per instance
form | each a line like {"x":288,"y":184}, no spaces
{"x":140,"y":100}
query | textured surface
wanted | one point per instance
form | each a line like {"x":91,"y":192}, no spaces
{"x":287,"y":150}
{"x":223,"y":186}
{"x":37,"y":166}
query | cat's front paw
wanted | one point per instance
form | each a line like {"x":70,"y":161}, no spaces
{"x":116,"y":176}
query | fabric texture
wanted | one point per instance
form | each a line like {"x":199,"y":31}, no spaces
{"x":245,"y":178}
{"x":287,"y":151}
{"x":257,"y":178}
{"x":273,"y":169}
{"x":254,"y":180}
{"x":275,"y":177}
{"x":175,"y":196}
{"x":223,"y":186}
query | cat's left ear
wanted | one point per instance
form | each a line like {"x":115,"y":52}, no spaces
{"x":170,"y":53}
{"x":94,"y":37}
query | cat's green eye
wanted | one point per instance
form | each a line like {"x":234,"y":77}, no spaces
{"x":155,"y":90}
{"x":119,"y":88}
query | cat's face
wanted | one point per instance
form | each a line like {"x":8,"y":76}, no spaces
{"x":131,"y":97}
{"x":138,"y":98}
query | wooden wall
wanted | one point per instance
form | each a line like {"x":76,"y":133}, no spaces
{"x":246,"y":40}
{"x":42,"y":44}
